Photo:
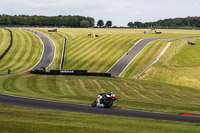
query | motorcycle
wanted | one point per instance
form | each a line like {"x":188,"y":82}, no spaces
{"x":105,"y":100}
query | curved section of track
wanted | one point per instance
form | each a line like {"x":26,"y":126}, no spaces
{"x":121,"y":64}
{"x":54,"y":105}
{"x":48,"y":51}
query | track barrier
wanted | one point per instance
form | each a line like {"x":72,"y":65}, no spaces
{"x":63,"y":54}
{"x":69,"y":72}
{"x":10,"y":45}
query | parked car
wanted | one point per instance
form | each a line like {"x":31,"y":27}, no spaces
{"x":191,"y":43}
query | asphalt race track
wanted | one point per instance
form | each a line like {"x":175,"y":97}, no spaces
{"x":3,"y":74}
{"x":54,"y":105}
{"x":119,"y":66}
{"x":48,"y":51}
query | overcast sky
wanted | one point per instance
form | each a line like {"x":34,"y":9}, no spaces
{"x":120,"y":12}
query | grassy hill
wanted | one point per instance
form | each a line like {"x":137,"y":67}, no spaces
{"x":24,"y":53}
{"x":133,"y":94}
{"x":181,"y":68}
{"x":148,"y":54}
{"x":99,"y":54}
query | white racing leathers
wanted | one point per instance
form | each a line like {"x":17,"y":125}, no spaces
{"x":99,"y":104}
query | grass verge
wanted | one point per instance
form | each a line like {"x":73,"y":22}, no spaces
{"x":24,"y":53}
{"x":180,"y":68}
{"x":19,"y":119}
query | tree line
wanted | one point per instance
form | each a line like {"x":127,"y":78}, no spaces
{"x":188,"y":22}
{"x":66,"y":21}
{"x":108,"y":24}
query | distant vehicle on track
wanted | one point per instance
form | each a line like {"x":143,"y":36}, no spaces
{"x":191,"y":43}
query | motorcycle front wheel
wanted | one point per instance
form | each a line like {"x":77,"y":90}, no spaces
{"x":94,"y":104}
{"x":108,"y":104}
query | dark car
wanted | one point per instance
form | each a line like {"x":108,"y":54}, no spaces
{"x":191,"y":43}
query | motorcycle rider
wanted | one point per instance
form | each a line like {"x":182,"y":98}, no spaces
{"x":103,"y":98}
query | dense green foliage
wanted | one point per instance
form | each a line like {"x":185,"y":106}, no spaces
{"x":85,"y":24}
{"x":100,"y":23}
{"x":28,"y":120}
{"x":68,"y":21}
{"x":189,"y":22}
{"x":108,"y":24}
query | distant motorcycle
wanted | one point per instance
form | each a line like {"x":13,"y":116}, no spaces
{"x":105,"y":100}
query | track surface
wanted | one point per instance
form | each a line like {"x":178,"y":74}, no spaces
{"x":120,"y":66}
{"x":48,"y":51}
{"x":54,"y":105}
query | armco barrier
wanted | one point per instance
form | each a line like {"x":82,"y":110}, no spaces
{"x":63,"y":54}
{"x":70,"y":72}
{"x":10,"y":45}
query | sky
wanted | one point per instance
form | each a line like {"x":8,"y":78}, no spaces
{"x":120,"y":12}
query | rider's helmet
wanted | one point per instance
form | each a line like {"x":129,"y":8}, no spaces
{"x":111,"y":93}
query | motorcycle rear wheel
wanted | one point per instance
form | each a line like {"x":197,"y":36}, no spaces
{"x":108,"y":104}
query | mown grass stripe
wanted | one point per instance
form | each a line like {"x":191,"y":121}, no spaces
{"x":24,"y":53}
{"x":91,"y":49}
{"x":4,"y":40}
{"x":107,"y":55}
{"x":77,"y":54}
{"x":95,"y":85}
{"x":9,"y":84}
{"x":52,"y":85}
{"x":117,"y":87}
{"x":32,"y":85}
{"x":84,"y":46}
{"x":106,"y":48}
{"x":10,"y":57}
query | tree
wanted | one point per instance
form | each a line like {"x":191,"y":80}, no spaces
{"x":91,"y":20}
{"x":130,"y":24}
{"x":100,"y":23}
{"x":85,"y":23}
{"x":137,"y":24}
{"x":70,"y":21}
{"x":109,"y":24}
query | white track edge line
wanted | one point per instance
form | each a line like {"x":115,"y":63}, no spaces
{"x":133,"y":59}
{"x":124,"y":54}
